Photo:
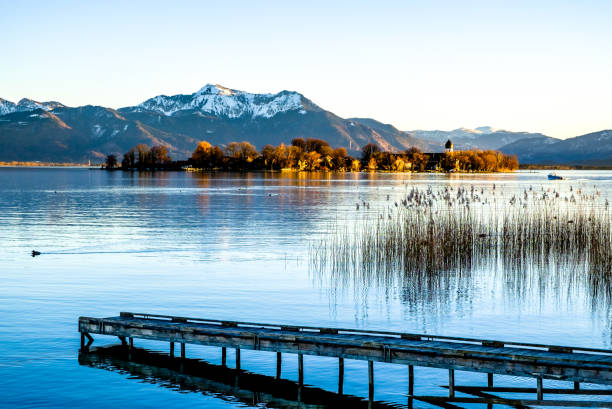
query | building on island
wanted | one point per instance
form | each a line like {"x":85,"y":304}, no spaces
{"x":448,"y":146}
{"x":436,"y":158}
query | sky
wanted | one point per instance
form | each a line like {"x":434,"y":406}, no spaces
{"x":538,"y":66}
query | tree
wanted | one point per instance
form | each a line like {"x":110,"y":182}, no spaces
{"x":398,"y":165}
{"x":280,"y":156}
{"x":129,"y":160}
{"x":233,"y":150}
{"x":267,"y":152}
{"x":207,"y":156}
{"x":294,"y":156}
{"x":159,"y":155}
{"x":247,"y":152}
{"x":201,"y":152}
{"x":111,"y":162}
{"x":338,"y":156}
{"x":313,"y":160}
{"x":299,"y":143}
{"x":368,"y":150}
{"x":143,"y":155}
{"x":372,"y":165}
{"x":313,"y":144}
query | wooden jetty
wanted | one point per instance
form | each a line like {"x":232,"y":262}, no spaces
{"x":538,"y":361}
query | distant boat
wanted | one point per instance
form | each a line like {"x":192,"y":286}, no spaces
{"x":554,"y":176}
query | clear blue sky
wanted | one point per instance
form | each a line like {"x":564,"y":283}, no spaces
{"x":542,"y":66}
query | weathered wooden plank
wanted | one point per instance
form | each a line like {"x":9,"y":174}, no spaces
{"x":439,"y":400}
{"x":552,"y":391}
{"x":366,"y":332}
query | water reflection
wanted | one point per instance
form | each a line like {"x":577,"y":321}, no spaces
{"x":192,"y":375}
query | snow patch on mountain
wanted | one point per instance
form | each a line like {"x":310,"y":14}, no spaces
{"x":6,"y":107}
{"x":97,"y":131}
{"x":221,"y":101}
{"x":26,"y":105}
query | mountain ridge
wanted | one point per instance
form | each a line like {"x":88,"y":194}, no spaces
{"x":51,"y":131}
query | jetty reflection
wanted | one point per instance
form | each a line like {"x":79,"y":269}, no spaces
{"x":194,"y":375}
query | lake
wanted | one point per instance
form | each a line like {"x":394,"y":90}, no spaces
{"x":236,"y":247}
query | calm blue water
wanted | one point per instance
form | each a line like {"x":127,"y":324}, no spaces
{"x":234,"y":247}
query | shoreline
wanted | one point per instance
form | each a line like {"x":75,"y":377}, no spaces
{"x":35,"y":164}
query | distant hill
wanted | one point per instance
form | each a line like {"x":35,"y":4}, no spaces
{"x":52,"y":132}
{"x":484,"y":137}
{"x":591,"y":149}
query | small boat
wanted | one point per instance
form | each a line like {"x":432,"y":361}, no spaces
{"x":554,"y":176}
{"x":35,"y":253}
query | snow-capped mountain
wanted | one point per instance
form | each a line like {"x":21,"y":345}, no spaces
{"x":214,"y":113}
{"x":26,"y":105}
{"x":221,"y":101}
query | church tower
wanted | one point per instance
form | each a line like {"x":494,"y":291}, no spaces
{"x":449,"y":146}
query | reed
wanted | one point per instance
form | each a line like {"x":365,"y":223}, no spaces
{"x":450,"y":232}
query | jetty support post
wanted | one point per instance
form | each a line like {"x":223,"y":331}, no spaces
{"x":410,"y":385}
{"x":279,"y":359}
{"x":340,"y":375}
{"x":370,"y":382}
{"x":301,"y":369}
{"x":223,"y":356}
{"x":489,"y":380}
{"x":540,"y":388}
{"x":237,"y":359}
{"x":171,"y":349}
{"x":576,"y":386}
{"x":131,"y":343}
{"x":182,"y":350}
{"x":451,"y":383}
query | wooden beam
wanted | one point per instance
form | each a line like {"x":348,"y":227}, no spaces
{"x":279,"y":360}
{"x":238,"y":358}
{"x":490,"y":380}
{"x":172,"y":349}
{"x":223,"y":356}
{"x":182,"y":350}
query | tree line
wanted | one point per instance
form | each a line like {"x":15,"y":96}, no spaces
{"x":313,"y":155}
